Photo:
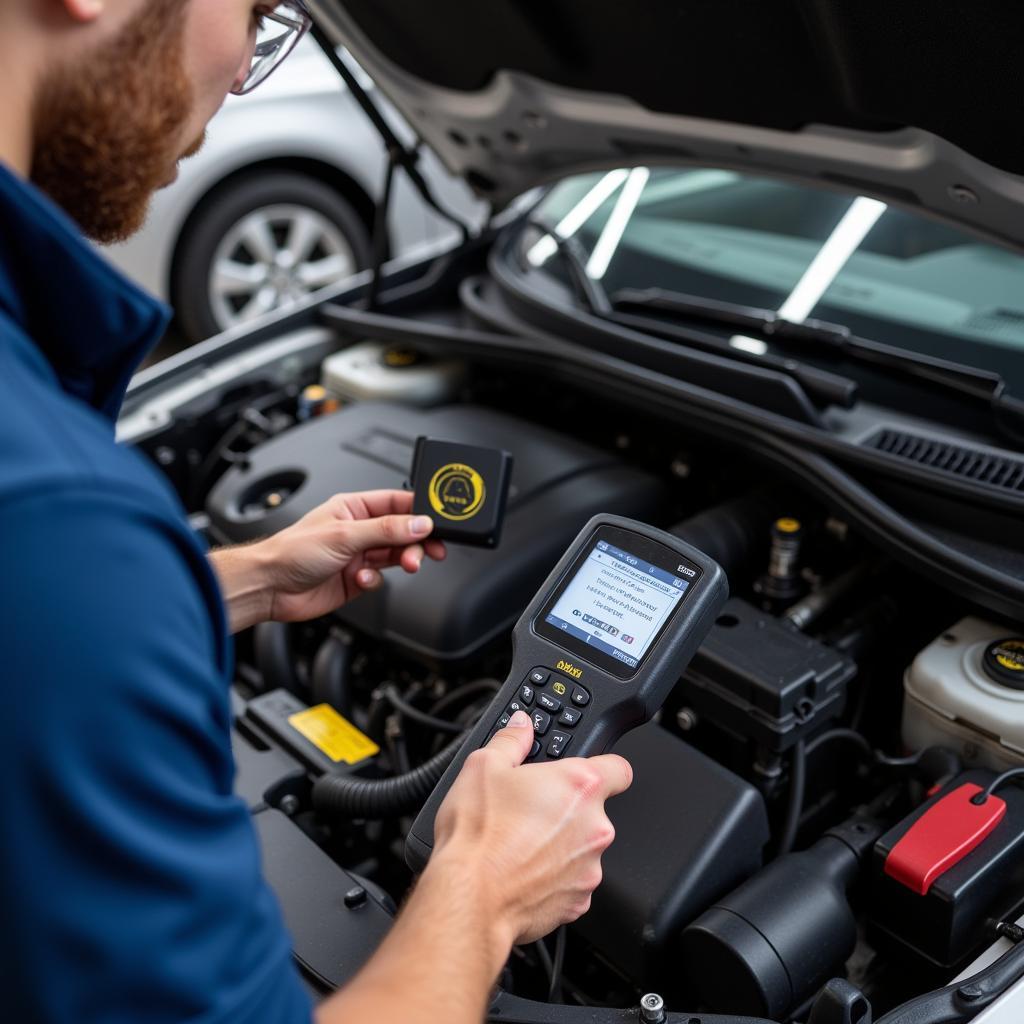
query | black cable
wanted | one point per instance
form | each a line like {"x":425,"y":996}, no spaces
{"x":849,"y":735}
{"x":795,"y":804}
{"x":555,"y":987}
{"x":859,"y":741}
{"x":999,"y":780}
{"x":466,"y":690}
{"x":391,"y":694}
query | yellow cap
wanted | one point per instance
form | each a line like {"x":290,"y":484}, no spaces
{"x":400,"y":357}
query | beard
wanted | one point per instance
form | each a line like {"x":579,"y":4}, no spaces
{"x":108,"y":127}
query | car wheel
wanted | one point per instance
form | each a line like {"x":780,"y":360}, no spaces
{"x":260,"y":244}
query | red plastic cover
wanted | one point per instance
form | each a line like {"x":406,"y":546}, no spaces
{"x":942,"y":837}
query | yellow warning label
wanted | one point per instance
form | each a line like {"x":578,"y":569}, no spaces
{"x":336,"y":736}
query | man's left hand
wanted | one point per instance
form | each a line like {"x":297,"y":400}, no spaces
{"x":327,"y":558}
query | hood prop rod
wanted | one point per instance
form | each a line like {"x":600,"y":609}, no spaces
{"x":399,"y":155}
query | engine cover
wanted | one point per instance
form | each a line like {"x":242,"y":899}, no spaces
{"x":449,"y":611}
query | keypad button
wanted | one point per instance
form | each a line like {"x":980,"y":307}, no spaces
{"x":503,"y":721}
{"x":548,"y":703}
{"x":526,"y":693}
{"x":535,"y":749}
{"x":541,"y":721}
{"x":514,"y":706}
{"x":538,"y":677}
{"x":557,"y":743}
{"x":580,"y":697}
{"x":569,"y":716}
{"x":559,"y":687}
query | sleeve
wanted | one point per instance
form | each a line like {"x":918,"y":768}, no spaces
{"x":133,"y":889}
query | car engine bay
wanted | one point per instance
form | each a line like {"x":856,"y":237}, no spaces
{"x":777,"y":856}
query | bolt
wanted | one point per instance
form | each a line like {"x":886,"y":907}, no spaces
{"x":652,"y":1008}
{"x":355,"y":897}
{"x":166,"y":455}
{"x":686,"y":719}
{"x":289,"y":804}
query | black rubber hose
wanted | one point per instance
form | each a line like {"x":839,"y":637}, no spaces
{"x":731,"y":532}
{"x":350,"y":797}
{"x":331,"y":677}
{"x":273,"y":650}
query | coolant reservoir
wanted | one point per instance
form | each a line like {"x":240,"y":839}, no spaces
{"x":369,"y":372}
{"x":965,"y":690}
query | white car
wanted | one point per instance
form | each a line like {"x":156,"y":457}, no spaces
{"x":280,"y":202}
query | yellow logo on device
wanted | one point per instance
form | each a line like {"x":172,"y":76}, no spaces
{"x":456,"y":491}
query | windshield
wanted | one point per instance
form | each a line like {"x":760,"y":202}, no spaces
{"x":886,"y":273}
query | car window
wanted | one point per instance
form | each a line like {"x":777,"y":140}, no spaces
{"x":888,"y":273}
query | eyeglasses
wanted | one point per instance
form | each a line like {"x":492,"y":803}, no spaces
{"x":276,"y":32}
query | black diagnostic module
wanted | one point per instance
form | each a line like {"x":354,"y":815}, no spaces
{"x":598,"y":649}
{"x":463,"y":488}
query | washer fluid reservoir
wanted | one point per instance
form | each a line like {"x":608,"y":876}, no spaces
{"x":965,"y":690}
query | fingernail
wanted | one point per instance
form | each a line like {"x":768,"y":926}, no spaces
{"x":520,"y":720}
{"x":366,"y":577}
{"x":420,"y":525}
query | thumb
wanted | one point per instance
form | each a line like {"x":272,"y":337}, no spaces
{"x":385,"y":532}
{"x":515,"y":740}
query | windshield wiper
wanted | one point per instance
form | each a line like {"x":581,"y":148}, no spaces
{"x":822,"y":387}
{"x":835,"y":341}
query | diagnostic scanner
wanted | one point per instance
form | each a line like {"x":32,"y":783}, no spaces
{"x":598,"y":649}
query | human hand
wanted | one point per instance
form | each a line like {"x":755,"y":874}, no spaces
{"x":530,"y":836}
{"x":337,"y":551}
{"x":327,"y":558}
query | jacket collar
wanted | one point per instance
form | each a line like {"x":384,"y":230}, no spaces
{"x":92,"y":324}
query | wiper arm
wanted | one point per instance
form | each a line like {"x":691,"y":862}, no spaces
{"x":821,"y":387}
{"x":838,"y":342}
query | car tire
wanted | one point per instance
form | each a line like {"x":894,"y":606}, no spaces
{"x":232,"y":261}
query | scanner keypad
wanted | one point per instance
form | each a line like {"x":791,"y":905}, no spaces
{"x":553,"y":703}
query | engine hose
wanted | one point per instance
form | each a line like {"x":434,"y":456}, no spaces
{"x":349,"y":797}
{"x":273,"y":651}
{"x":331,"y":676}
{"x":731,"y":532}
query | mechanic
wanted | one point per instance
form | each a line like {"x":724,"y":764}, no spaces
{"x":132,"y":886}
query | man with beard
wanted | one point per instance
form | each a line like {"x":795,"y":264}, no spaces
{"x":131,"y":881}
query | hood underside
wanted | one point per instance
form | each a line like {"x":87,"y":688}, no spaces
{"x":913,"y":101}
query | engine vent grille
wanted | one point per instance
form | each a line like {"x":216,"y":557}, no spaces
{"x":968,"y":463}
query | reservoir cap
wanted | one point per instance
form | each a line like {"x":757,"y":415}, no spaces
{"x":1004,"y":662}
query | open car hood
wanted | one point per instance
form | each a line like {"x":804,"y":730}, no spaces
{"x":911,"y":101}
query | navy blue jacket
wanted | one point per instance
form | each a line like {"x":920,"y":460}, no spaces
{"x":131,"y":880}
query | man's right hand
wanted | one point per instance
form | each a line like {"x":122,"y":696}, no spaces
{"x":532,"y":835}
{"x":517,"y":852}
